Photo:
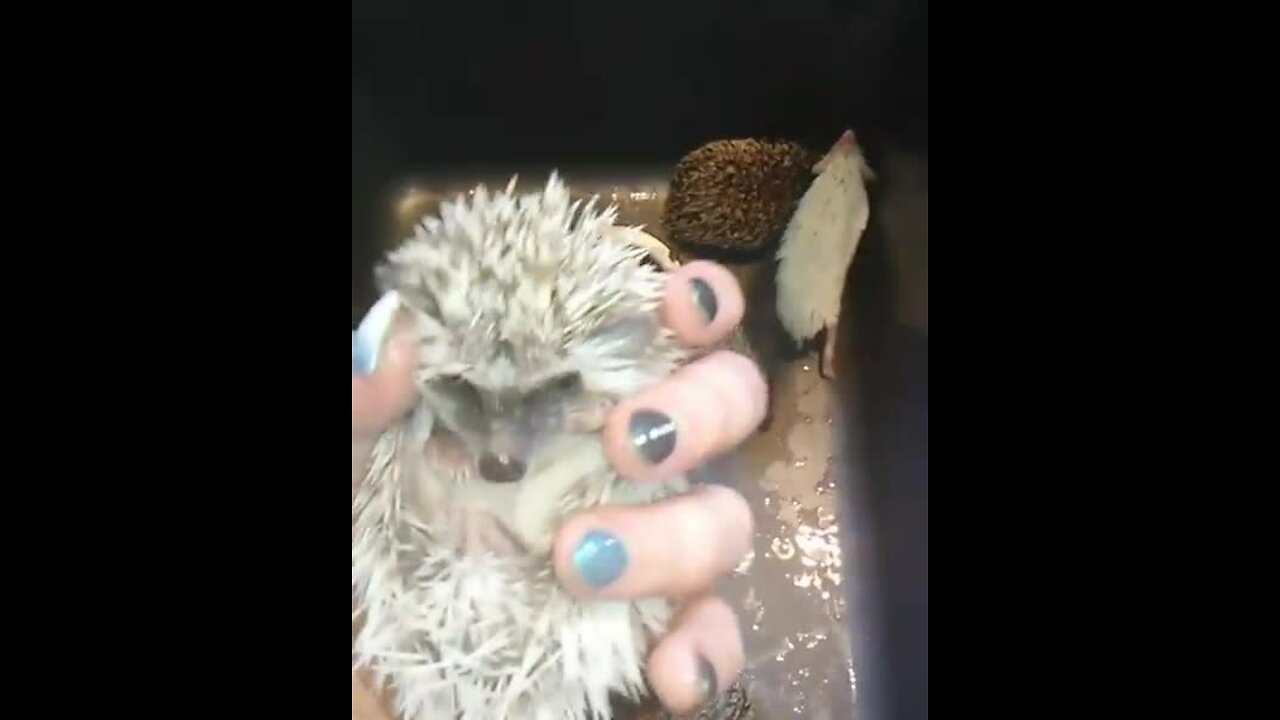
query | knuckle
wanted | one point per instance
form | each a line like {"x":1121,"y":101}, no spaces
{"x":713,"y":530}
{"x":737,"y":518}
{"x":753,"y":384}
{"x":693,"y":549}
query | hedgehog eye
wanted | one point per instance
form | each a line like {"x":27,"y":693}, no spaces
{"x":458,"y":387}
{"x":652,"y":261}
{"x":566,"y":382}
{"x":556,"y":388}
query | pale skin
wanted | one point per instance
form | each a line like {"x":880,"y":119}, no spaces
{"x":679,"y":547}
{"x":829,"y":354}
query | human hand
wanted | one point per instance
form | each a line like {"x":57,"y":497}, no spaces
{"x":381,"y":380}
{"x":680,"y":546}
{"x":676,"y":547}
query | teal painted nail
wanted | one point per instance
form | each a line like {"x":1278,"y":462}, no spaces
{"x":366,"y":340}
{"x":599,"y":558}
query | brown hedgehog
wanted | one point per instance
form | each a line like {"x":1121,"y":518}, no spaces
{"x":736,"y":195}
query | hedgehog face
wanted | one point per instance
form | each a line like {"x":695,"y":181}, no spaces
{"x":532,"y":316}
{"x":501,"y":426}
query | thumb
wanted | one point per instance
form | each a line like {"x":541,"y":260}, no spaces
{"x":382,"y":360}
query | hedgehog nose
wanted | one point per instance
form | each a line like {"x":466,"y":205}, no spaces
{"x":501,"y":468}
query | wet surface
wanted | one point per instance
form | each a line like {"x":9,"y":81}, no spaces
{"x":790,"y":593}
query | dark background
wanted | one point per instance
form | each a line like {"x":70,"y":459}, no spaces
{"x":447,"y":88}
{"x":435,"y":86}
{"x":604,"y":81}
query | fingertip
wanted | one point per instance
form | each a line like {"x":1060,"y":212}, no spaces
{"x":587,"y":555}
{"x":676,"y":675}
{"x":699,"y":658}
{"x":704,"y":409}
{"x":674,"y":547}
{"x":369,"y":339}
{"x":754,"y":383}
{"x":387,"y":392}
{"x":703,"y":302}
{"x":737,"y":514}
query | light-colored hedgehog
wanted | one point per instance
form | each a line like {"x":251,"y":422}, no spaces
{"x":533,"y":315}
{"x":819,"y":244}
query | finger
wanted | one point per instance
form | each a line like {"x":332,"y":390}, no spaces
{"x":702,"y":410}
{"x":379,"y":399}
{"x":381,"y":369}
{"x":699,"y":658}
{"x":702,"y":302}
{"x":675,"y":547}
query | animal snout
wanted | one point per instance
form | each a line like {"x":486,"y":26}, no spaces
{"x":501,"y":468}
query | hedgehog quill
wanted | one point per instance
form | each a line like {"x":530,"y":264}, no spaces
{"x":734,"y":196}
{"x":533,"y":315}
{"x":819,"y":244}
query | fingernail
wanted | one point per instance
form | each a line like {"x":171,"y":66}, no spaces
{"x":708,"y":683}
{"x":653,"y":434}
{"x":599,"y":558}
{"x":366,"y":340}
{"x":705,"y":298}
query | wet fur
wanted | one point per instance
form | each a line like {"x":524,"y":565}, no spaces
{"x":819,"y":244}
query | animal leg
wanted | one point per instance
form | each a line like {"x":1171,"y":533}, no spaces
{"x":827,"y":367}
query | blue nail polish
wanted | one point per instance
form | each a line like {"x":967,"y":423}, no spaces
{"x":361,"y":363}
{"x":366,"y":340}
{"x":599,"y":558}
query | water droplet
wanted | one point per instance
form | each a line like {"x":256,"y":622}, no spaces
{"x":783,"y":548}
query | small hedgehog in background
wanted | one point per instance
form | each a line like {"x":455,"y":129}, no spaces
{"x":533,"y":316}
{"x":735,"y":196}
{"x":819,"y":245}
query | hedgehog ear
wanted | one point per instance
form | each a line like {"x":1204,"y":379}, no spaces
{"x":868,"y":174}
